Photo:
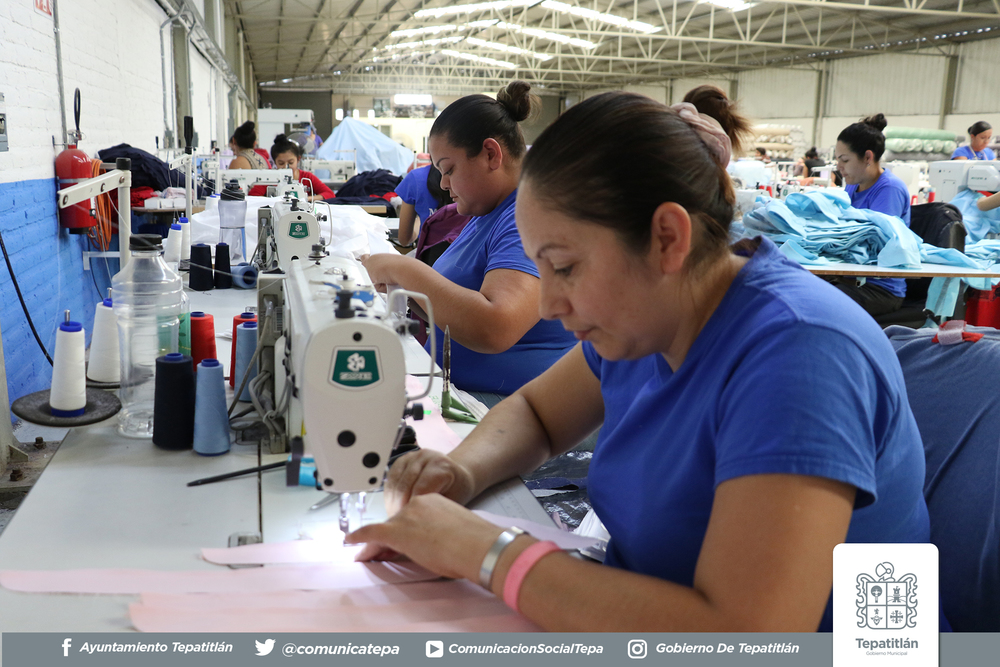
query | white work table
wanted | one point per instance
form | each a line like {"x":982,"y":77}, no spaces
{"x":106,"y":501}
{"x":924,"y":271}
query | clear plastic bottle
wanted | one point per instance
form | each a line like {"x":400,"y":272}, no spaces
{"x":232,"y":222}
{"x":148,"y":300}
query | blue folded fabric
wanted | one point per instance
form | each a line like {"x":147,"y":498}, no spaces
{"x":818,"y":227}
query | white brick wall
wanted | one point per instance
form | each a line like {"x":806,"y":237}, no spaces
{"x":111,"y":51}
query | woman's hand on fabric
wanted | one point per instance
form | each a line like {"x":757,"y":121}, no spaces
{"x":382,"y":268}
{"x":425,"y":472}
{"x":433,"y":532}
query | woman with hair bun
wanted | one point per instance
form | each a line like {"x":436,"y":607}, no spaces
{"x":752,"y":418}
{"x":286,"y":155}
{"x":243,"y":143}
{"x":859,"y":148}
{"x":979,"y":138}
{"x":483,"y":287}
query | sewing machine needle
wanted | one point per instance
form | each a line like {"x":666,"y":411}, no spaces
{"x":446,"y":359}
{"x":345,"y":520}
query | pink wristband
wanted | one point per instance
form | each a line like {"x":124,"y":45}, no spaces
{"x":519,"y":569}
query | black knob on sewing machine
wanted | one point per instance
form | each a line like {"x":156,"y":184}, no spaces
{"x":416,"y":411}
{"x":344,"y":308}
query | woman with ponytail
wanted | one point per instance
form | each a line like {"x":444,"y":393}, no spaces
{"x":980,"y":134}
{"x":751,"y":416}
{"x":859,"y":149}
{"x":483,"y":287}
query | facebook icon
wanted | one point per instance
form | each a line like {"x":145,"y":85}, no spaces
{"x":66,"y":644}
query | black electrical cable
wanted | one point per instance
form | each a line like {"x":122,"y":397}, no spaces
{"x":20,"y":298}
{"x":92,"y":276}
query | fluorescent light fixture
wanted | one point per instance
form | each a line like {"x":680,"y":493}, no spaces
{"x":497,"y":46}
{"x":479,"y":59}
{"x":425,"y":42}
{"x":339,"y":114}
{"x":355,"y":114}
{"x":732,"y":5}
{"x":436,"y":29}
{"x":371,"y":113}
{"x":438,"y":12}
{"x":405,"y":99}
{"x":426,"y":30}
{"x":544,"y":34}
{"x":286,"y":81}
{"x":592,"y":15}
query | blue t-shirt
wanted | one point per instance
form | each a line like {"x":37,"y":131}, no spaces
{"x":788,"y":376}
{"x":492,"y":242}
{"x":413,"y":190}
{"x":968,"y":153}
{"x":887,"y":195}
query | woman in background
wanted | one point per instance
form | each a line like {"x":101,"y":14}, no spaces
{"x":422,"y":195}
{"x":286,"y":155}
{"x":979,"y":138}
{"x":859,"y":148}
{"x":242,"y":142}
{"x":483,"y":287}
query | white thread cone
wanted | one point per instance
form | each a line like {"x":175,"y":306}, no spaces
{"x":185,"y":239}
{"x":172,"y":246}
{"x":104,"y":363}
{"x":69,"y":384}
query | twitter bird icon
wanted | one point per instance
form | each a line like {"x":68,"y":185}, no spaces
{"x":265,"y":648}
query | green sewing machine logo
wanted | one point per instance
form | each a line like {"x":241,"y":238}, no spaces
{"x":298,"y":230}
{"x":354,"y":368}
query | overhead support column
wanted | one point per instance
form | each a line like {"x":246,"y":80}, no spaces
{"x":948,"y":94}
{"x":822,"y":83}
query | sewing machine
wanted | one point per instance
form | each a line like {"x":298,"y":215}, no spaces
{"x":287,"y":230}
{"x":341,"y":171}
{"x":949,"y":177}
{"x":912,"y":172}
{"x":333,"y":352}
{"x":247,"y":178}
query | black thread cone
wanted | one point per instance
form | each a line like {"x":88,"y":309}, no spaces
{"x":223,"y":278}
{"x":173,"y":402}
{"x":201,"y":267}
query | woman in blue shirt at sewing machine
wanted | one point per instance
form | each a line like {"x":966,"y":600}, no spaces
{"x":979,"y":138}
{"x":751,"y":416}
{"x":483,"y":287}
{"x":859,"y":148}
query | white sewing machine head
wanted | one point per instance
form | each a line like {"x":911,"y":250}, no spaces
{"x":247,"y":178}
{"x":289,"y":229}
{"x":288,"y":188}
{"x":347,"y":370}
{"x":949,"y":177}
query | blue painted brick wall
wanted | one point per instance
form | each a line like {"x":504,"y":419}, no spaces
{"x":48,"y":263}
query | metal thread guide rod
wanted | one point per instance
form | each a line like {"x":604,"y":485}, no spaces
{"x":345,"y":521}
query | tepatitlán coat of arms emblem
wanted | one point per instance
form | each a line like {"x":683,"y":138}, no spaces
{"x":887,"y":602}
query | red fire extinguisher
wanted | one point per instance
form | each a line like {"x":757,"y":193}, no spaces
{"x":72,"y":167}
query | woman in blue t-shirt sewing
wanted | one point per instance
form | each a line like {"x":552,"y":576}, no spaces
{"x":859,"y":148}
{"x":751,"y":417}
{"x":979,"y":138}
{"x":483,"y":287}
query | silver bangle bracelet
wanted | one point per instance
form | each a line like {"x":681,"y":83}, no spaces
{"x":493,"y":555}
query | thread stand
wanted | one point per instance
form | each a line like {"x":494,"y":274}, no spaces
{"x":35,"y":408}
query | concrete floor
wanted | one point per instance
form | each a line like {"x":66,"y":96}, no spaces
{"x":26,"y":433}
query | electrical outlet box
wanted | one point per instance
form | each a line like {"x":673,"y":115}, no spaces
{"x":3,"y":124}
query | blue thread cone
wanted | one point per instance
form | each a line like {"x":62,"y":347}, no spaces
{"x":211,"y":421}
{"x":244,"y":276}
{"x":246,"y":343}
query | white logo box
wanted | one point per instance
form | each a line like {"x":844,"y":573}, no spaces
{"x":885,"y":605}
